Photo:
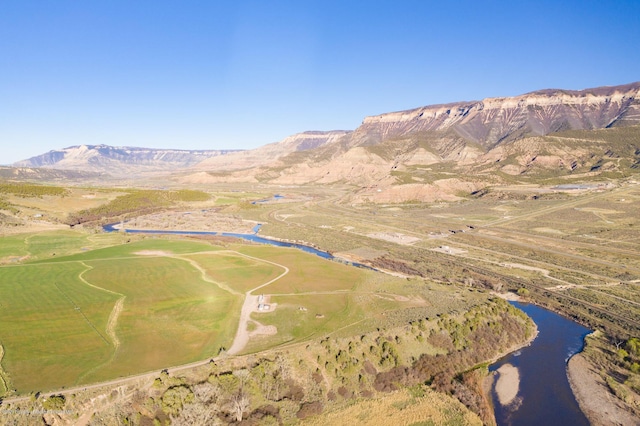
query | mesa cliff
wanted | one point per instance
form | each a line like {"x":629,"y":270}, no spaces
{"x":429,"y":153}
{"x":437,"y":152}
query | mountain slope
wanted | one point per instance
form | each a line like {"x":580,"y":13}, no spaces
{"x":44,"y":175}
{"x":436,"y":152}
{"x":119,"y":160}
{"x":267,"y":154}
{"x":497,"y":120}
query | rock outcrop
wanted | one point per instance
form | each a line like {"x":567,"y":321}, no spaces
{"x":497,"y":120}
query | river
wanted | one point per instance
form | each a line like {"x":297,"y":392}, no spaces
{"x":544,"y":396}
{"x":249,"y":237}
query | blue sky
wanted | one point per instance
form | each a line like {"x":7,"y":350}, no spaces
{"x":241,"y":74}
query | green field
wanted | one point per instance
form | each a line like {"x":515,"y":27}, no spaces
{"x":235,"y":271}
{"x":116,"y":308}
{"x":109,"y":312}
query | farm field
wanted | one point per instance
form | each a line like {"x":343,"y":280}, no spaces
{"x":108,"y":313}
{"x":111,"y":311}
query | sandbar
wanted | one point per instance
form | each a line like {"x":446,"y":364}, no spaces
{"x":508,"y":384}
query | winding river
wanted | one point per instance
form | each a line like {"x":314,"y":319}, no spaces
{"x":249,"y":237}
{"x":544,"y":396}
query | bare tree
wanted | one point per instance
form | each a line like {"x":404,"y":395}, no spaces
{"x":242,"y":376}
{"x":207,"y":393}
{"x":196,"y":414}
{"x":238,"y":404}
{"x":283,"y":367}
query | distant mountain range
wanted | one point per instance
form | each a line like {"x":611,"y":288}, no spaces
{"x":426,"y":153}
{"x":119,"y":160}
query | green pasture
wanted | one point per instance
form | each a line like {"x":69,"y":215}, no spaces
{"x":171,"y":246}
{"x":324,"y":314}
{"x":48,"y":245}
{"x":54,"y":313}
{"x":171,"y":316}
{"x":236,"y":271}
{"x":52,"y":325}
{"x":307,"y":272}
{"x":12,"y":246}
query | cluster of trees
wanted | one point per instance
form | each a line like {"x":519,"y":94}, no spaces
{"x":136,"y":202}
{"x":395,"y":265}
{"x":5,"y":205}
{"x":287,"y":386}
{"x":283,"y":387}
{"x":28,"y":190}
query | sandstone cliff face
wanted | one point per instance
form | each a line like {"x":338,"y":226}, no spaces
{"x":423,"y":154}
{"x":495,"y":120}
{"x":412,"y":155}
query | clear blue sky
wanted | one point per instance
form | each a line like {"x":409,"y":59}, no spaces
{"x":241,"y":74}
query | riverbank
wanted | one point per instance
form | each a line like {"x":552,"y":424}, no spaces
{"x":513,"y":379}
{"x":590,"y":390}
{"x":594,"y":397}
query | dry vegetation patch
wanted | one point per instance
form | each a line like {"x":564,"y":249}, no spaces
{"x":400,"y":408}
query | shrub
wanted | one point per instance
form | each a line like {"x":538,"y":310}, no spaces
{"x":54,"y":402}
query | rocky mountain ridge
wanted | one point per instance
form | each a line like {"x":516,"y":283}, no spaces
{"x":436,"y":152}
{"x":119,"y":160}
{"x":496,"y":120}
{"x":429,"y":153}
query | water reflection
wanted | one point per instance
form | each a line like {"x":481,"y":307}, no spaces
{"x":544,"y":396}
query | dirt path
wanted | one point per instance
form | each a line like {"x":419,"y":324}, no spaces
{"x":111,"y":324}
{"x":3,"y":380}
{"x":250,"y":304}
{"x":115,"y":312}
{"x":203,"y":273}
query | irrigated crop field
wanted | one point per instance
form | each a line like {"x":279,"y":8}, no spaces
{"x":108,"y":313}
{"x":117,"y":308}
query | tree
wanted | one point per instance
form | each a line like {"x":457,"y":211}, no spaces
{"x":242,"y":376}
{"x":238,"y":404}
{"x":175,"y":398}
{"x":207,"y":393}
{"x":283,"y":367}
{"x":196,"y":414}
{"x":633,"y":346}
